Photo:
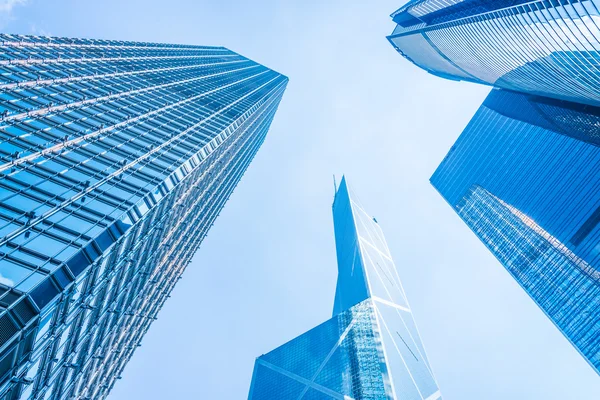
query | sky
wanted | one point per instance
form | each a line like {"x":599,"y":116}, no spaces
{"x":267,"y":270}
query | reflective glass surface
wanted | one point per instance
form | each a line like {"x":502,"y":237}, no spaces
{"x":548,"y":48}
{"x":116,"y":158}
{"x":524,"y":177}
{"x":337,"y":358}
{"x":371,"y":348}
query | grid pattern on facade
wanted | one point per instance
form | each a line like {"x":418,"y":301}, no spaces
{"x":564,"y":286}
{"x":338,"y":359}
{"x":549,"y":48}
{"x":529,"y":189}
{"x":116,"y":159}
{"x":410,"y":375}
{"x":371,"y":348}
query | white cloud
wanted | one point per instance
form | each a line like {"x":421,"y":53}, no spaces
{"x":38,"y":31}
{"x":6,"y":10}
{"x":6,"y":6}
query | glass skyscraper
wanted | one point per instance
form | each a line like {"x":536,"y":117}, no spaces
{"x":524,"y":173}
{"x":116,"y":158}
{"x":371,"y":348}
{"x":548,"y":48}
{"x":524,"y":176}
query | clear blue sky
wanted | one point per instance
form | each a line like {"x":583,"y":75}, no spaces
{"x":267,"y":270}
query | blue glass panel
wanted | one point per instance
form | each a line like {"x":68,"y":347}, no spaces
{"x":273,"y":385}
{"x":104,"y":240}
{"x":524,"y":177}
{"x":147,"y":111}
{"x":305,"y":354}
{"x":11,"y":274}
{"x":547,"y":48}
{"x":340,"y":357}
{"x":61,"y":277}
{"x":368,"y":350}
{"x":351,"y":287}
{"x":44,"y":293}
{"x":78,"y":263}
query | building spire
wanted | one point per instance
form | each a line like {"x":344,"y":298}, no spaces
{"x":334,"y":186}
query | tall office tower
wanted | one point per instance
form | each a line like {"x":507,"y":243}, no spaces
{"x":524,"y":177}
{"x":371,"y":348}
{"x":116,"y":158}
{"x":548,"y":48}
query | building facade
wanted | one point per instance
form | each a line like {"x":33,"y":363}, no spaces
{"x":116,"y":158}
{"x":371,"y":348}
{"x":524,"y":177}
{"x":547,"y":48}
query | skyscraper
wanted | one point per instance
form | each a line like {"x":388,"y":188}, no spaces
{"x":548,"y":48}
{"x":524,"y":176}
{"x":371,"y":348}
{"x":116,"y":158}
{"x":524,"y":173}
